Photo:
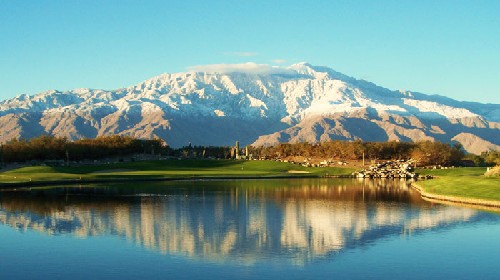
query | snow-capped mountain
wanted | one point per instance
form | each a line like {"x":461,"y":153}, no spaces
{"x":253,"y":103}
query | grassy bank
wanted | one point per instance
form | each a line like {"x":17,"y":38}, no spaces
{"x":167,"y":169}
{"x":462,"y":182}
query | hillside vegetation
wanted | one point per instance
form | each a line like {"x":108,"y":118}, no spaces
{"x":45,"y":148}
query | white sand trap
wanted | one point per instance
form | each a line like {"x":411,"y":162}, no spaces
{"x":112,"y":171}
{"x":298,"y":171}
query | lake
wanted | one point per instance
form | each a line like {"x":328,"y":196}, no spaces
{"x":243,"y":229}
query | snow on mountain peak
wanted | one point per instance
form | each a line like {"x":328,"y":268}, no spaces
{"x":304,"y":68}
{"x":299,"y":65}
{"x":211,"y":97}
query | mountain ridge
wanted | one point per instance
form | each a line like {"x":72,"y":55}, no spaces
{"x":251,"y":103}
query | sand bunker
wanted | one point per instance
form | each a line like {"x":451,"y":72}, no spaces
{"x":112,"y":171}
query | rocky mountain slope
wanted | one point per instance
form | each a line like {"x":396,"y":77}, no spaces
{"x":255,"y":104}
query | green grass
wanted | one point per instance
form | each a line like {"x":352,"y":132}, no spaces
{"x":462,"y":182}
{"x":166,"y":169}
{"x":459,"y":171}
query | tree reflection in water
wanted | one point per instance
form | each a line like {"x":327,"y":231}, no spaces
{"x":245,"y":221}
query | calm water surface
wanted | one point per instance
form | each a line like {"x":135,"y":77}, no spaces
{"x":252,"y":229}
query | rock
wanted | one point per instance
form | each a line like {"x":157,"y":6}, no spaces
{"x":389,"y":169}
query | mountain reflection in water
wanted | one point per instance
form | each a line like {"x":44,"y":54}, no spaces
{"x":246,"y":221}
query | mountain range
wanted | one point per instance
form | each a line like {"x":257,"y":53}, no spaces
{"x":254,"y":104}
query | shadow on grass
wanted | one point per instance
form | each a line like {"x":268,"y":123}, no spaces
{"x":163,"y":165}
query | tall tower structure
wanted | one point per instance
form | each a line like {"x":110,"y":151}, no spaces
{"x":237,"y":152}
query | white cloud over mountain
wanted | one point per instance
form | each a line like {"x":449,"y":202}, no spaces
{"x":248,"y":68}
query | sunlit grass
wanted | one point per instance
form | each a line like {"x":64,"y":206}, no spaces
{"x":458,"y":171}
{"x":462,"y":182}
{"x":167,"y":169}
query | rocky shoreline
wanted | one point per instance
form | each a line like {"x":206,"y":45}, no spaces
{"x":389,"y":169}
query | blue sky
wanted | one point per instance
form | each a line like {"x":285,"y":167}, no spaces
{"x":451,"y":48}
